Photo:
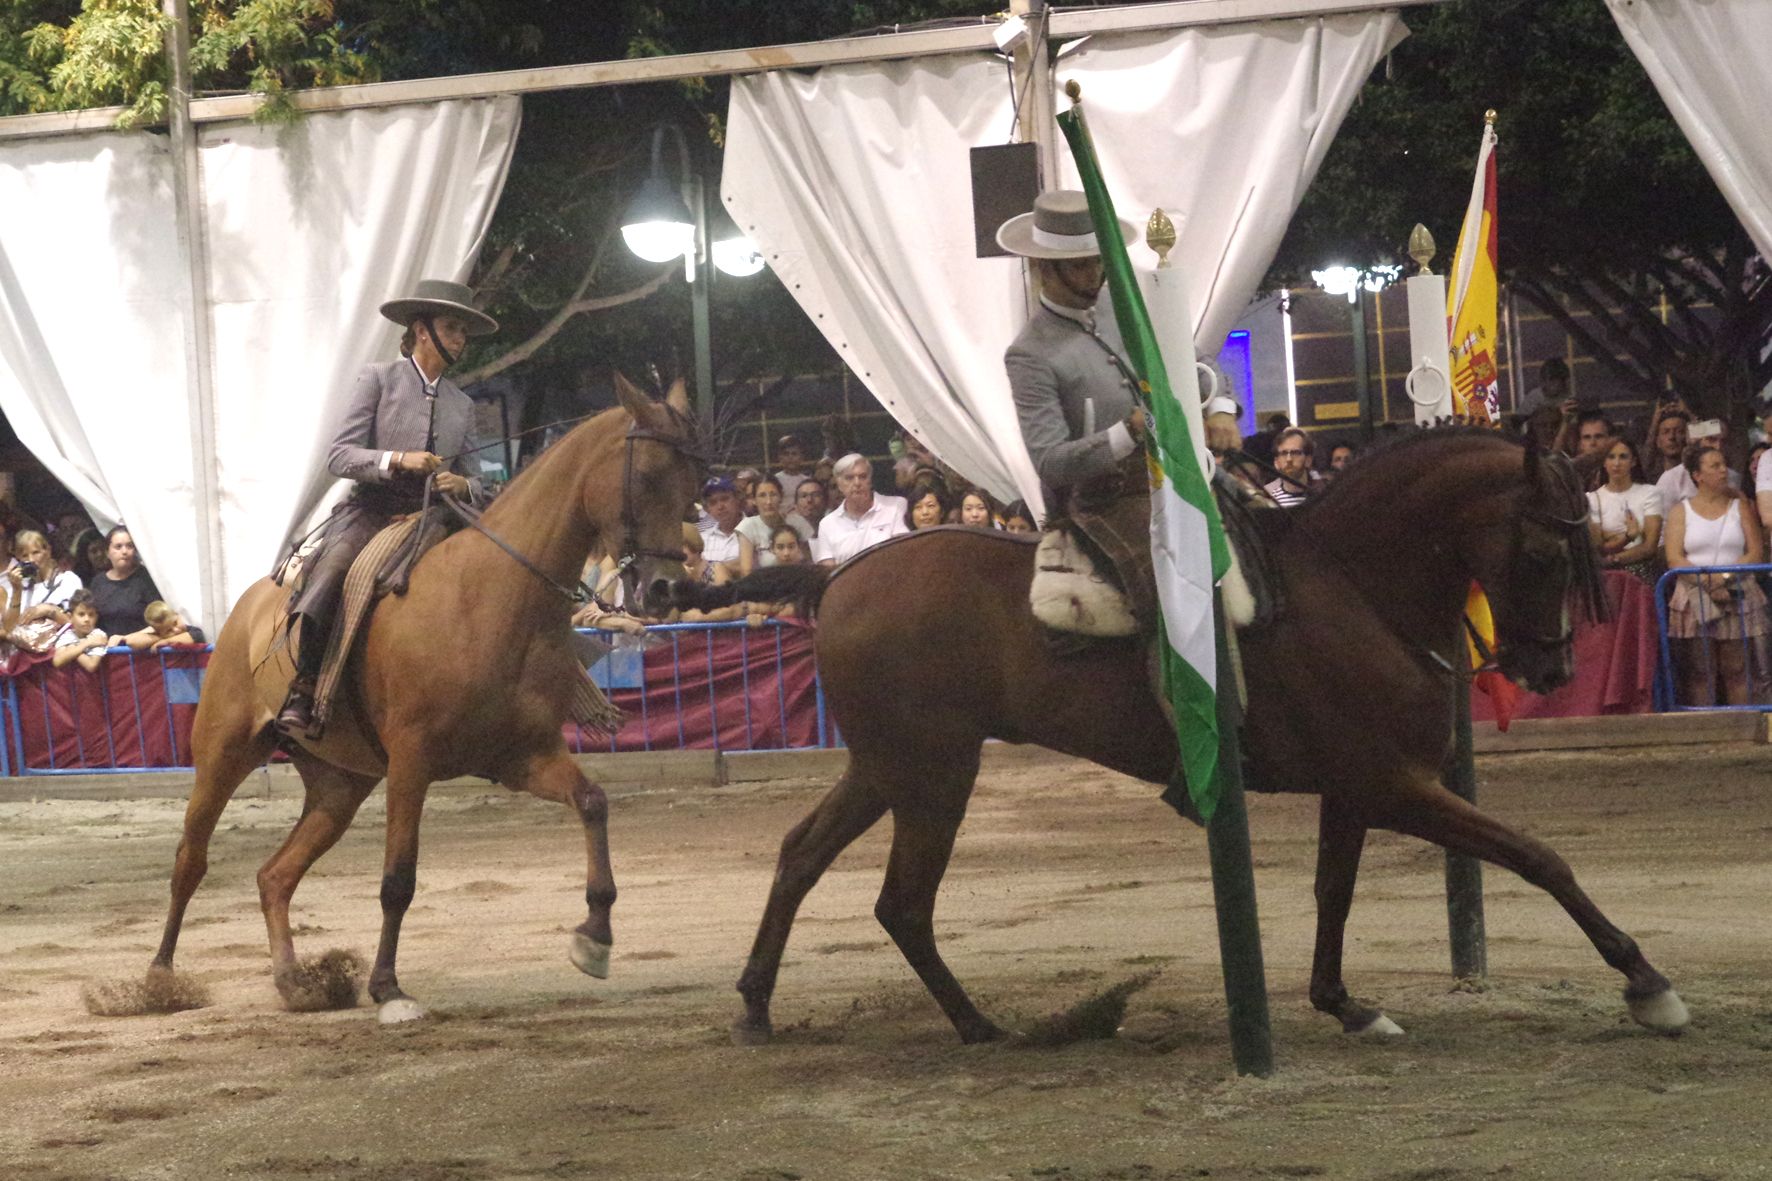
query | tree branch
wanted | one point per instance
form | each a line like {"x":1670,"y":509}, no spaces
{"x":547,"y":332}
{"x":1540,"y":296}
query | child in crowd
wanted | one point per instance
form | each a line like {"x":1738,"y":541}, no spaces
{"x":165,"y":628}
{"x":1017,"y":518}
{"x":784,"y":545}
{"x":81,"y":640}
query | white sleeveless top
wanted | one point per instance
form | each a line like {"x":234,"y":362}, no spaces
{"x":1714,"y":543}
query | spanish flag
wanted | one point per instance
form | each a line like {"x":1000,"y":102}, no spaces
{"x":1472,"y":301}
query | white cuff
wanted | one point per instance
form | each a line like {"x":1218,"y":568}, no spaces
{"x":387,"y":461}
{"x":1120,"y":440}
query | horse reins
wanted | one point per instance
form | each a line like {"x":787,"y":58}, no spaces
{"x":631,"y":549}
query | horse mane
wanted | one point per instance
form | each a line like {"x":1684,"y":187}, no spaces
{"x":1365,"y":470}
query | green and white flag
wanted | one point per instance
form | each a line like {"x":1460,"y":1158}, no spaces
{"x":1187,"y":537}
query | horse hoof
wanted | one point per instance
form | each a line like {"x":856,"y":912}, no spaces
{"x":399,"y":1011}
{"x":746,"y":1034}
{"x":1379,"y":1027}
{"x":589,"y":956}
{"x":1663,"y":1012}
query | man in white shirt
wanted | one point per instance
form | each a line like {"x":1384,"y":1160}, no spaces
{"x":722,"y":542}
{"x":1676,"y":482}
{"x":862,"y":519}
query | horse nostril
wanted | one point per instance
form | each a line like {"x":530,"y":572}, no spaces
{"x":658,"y":591}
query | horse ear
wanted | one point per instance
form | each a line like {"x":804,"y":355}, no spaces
{"x":677,"y":397}
{"x":635,"y":401}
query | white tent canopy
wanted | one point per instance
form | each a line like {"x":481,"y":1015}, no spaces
{"x":854,"y":181}
{"x":1708,"y":60}
{"x":309,"y":228}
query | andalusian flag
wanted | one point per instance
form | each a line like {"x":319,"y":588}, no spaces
{"x":1472,"y":300}
{"x":1187,"y":538}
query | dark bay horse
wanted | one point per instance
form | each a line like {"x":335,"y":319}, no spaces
{"x":1348,"y":695}
{"x":470,"y":672}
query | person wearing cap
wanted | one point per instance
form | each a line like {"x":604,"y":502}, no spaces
{"x":406,"y":425}
{"x":722,"y":543}
{"x":1074,"y":393}
{"x":862,"y":519}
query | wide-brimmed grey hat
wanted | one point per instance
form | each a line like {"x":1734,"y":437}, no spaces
{"x":440,"y":297}
{"x":1058,"y":227}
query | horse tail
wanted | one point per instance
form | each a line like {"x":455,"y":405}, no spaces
{"x":803,"y":586}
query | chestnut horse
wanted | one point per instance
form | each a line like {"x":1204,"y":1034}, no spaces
{"x":1348,"y":687}
{"x":470,"y":672}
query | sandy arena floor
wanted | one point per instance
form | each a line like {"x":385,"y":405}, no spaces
{"x":1066,"y":879}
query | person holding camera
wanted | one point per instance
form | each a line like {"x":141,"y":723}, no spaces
{"x":37,"y":593}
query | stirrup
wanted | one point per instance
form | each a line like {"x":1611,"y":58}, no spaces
{"x":296,"y":718}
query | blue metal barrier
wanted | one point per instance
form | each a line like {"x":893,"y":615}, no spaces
{"x":620,"y":669}
{"x":1752,"y":653}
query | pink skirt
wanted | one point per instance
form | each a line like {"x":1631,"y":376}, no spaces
{"x":1691,"y":615}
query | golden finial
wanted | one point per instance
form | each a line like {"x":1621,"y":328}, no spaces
{"x":1421,"y":247}
{"x":1159,"y":235}
{"x":1489,"y":116}
{"x":1073,"y":91}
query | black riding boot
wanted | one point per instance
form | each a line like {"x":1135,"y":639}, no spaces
{"x":296,"y":718}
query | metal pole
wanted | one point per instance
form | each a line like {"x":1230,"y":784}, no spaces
{"x":1362,"y":379}
{"x":1233,"y":881}
{"x":698,"y":300}
{"x":187,"y":189}
{"x":1464,"y":874}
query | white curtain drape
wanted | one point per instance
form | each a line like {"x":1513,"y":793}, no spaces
{"x":309,"y":228}
{"x":92,"y":345}
{"x":1707,"y":58}
{"x":855,"y":182}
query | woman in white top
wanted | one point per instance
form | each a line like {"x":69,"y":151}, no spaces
{"x":38,"y":588}
{"x":761,"y":528}
{"x":1624,"y":514}
{"x":1711,"y":614}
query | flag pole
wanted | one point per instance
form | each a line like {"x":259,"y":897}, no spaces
{"x":1189,"y":554}
{"x":1233,"y":880}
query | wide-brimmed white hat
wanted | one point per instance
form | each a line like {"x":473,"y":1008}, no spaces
{"x":1058,"y":227}
{"x":439,"y":297}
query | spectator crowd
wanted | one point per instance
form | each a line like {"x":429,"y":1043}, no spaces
{"x":70,"y":592}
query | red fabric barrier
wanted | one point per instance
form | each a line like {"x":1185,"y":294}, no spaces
{"x":130,"y":713}
{"x":1615,"y":662}
{"x":697,"y":689}
{"x":137,"y":712}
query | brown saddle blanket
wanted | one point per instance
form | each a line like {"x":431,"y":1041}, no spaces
{"x":384,"y":566}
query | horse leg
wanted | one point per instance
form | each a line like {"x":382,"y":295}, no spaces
{"x":399,"y":881}
{"x":922,"y":842}
{"x":332,"y":798}
{"x":224,"y":760}
{"x":849,"y":809}
{"x":1341,"y":837}
{"x":555,"y":776}
{"x":1435,"y":814}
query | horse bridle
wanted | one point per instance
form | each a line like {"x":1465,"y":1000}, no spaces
{"x":1574,"y":530}
{"x":631,"y":550}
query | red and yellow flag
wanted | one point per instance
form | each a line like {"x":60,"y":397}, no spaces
{"x":1473,"y":297}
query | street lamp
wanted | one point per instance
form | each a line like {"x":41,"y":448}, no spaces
{"x":662,"y":223}
{"x":1350,"y":281}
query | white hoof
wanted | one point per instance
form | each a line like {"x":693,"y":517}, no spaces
{"x":1380,"y":1027}
{"x":1664,"y":1011}
{"x":589,"y":956}
{"x":400,"y":1010}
